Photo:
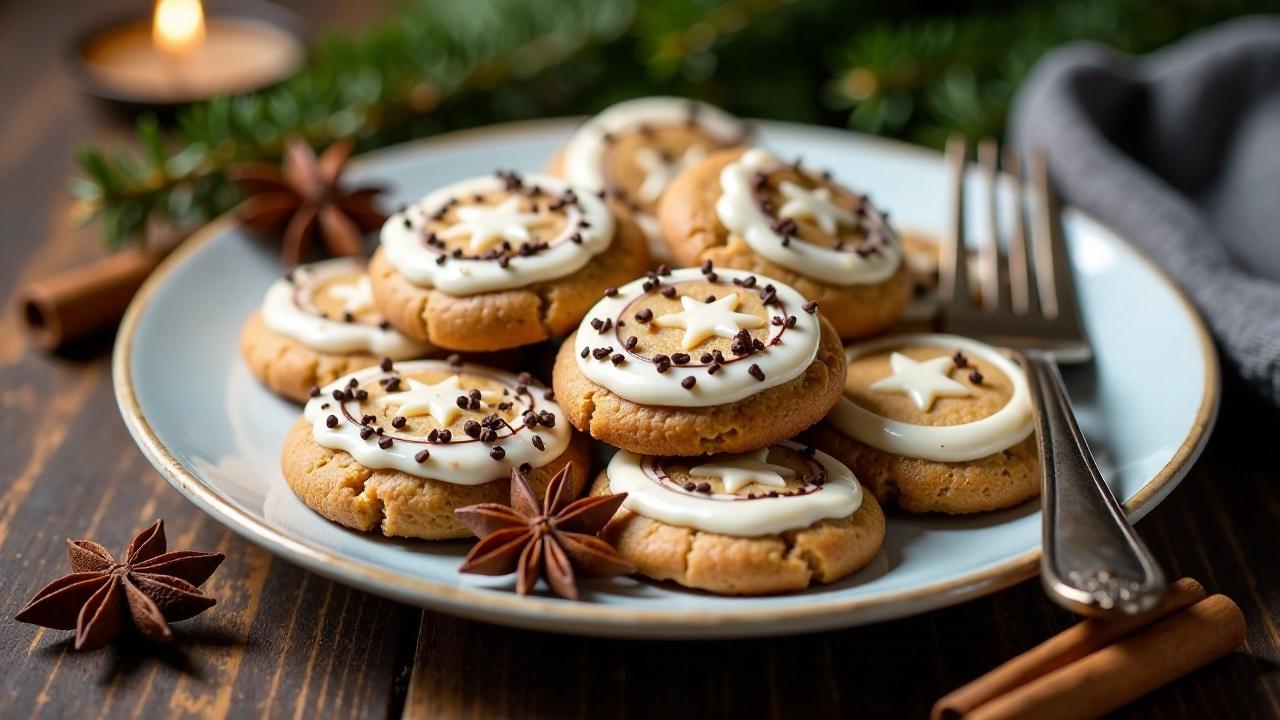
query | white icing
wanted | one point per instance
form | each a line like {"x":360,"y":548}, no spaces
{"x":487,"y":226}
{"x":999,"y":431}
{"x":584,"y":156}
{"x":637,"y":380}
{"x":409,"y":254}
{"x":282,"y":313}
{"x":923,"y":382}
{"x":357,"y":297}
{"x":700,"y":320}
{"x":660,"y":170}
{"x":816,"y":205}
{"x":440,"y":400}
{"x":742,"y":216}
{"x":739,"y":471}
{"x":728,"y":513}
{"x":462,"y":461}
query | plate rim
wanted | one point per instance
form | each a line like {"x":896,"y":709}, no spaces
{"x":545,"y":612}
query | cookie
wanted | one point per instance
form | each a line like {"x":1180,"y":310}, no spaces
{"x":769,"y":521}
{"x":632,"y":150}
{"x":316,"y":323}
{"x":500,"y":261}
{"x":696,"y":361}
{"x":397,"y":448}
{"x":747,"y":209}
{"x":935,"y":423}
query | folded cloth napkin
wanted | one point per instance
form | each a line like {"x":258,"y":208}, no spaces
{"x":1179,"y":151}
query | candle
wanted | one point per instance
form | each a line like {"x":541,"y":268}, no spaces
{"x":181,"y":56}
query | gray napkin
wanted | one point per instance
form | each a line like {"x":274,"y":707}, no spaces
{"x":1179,"y":151}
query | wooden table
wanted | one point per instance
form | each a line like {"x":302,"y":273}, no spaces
{"x":283,"y":642}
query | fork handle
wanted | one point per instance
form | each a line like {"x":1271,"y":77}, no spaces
{"x":1093,"y":562}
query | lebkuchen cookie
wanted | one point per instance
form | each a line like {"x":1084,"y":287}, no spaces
{"x":397,"y":447}
{"x":768,"y":521}
{"x":749,"y":210}
{"x":631,"y":151}
{"x":500,"y":261}
{"x":696,"y":361}
{"x":316,"y":323}
{"x":935,"y":423}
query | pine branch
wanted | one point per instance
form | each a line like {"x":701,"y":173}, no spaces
{"x":444,"y":64}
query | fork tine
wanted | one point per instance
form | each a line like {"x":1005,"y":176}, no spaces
{"x":953,"y":282}
{"x":989,"y":254}
{"x":1051,"y":263}
{"x":1020,"y":295}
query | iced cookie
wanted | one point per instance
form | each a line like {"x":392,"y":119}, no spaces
{"x":500,"y":261}
{"x":768,"y":521}
{"x":631,"y":151}
{"x":747,"y":209}
{"x":696,"y":361}
{"x":316,"y":323}
{"x":396,"y":448}
{"x":935,"y":423}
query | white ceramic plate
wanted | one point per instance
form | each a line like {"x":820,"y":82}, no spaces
{"x":1146,"y":404}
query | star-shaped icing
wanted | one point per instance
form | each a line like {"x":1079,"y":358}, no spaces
{"x":701,"y":320}
{"x":489,"y":225}
{"x":814,"y":204}
{"x":739,"y":471}
{"x":356,"y":296}
{"x":440,"y":400}
{"x":660,"y":170}
{"x":923,"y":382}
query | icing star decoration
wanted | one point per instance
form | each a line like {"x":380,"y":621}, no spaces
{"x":490,"y":225}
{"x":660,"y":169}
{"x":923,"y":382}
{"x":739,"y":471}
{"x":357,"y":296}
{"x":440,"y":400}
{"x":814,"y":204}
{"x":701,"y":320}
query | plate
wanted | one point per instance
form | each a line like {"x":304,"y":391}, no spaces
{"x":1146,"y":404}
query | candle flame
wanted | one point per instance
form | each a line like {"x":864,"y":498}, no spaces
{"x":178,"y":25}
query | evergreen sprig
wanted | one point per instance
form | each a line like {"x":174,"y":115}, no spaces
{"x":876,"y":65}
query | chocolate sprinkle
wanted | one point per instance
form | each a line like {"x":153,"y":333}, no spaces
{"x":617,"y":359}
{"x":585,"y":352}
{"x":422,"y":455}
{"x":386,"y":364}
{"x":689,"y":382}
{"x":704,"y":487}
{"x":631,"y":342}
{"x":471,"y":428}
{"x":975,"y":377}
{"x":398,"y":421}
{"x":668,"y":292}
{"x":314,"y":391}
{"x":811,"y":307}
{"x":366,"y":433}
{"x":689,"y":486}
{"x":331,"y":421}
{"x":385,"y":443}
{"x":537,"y":442}
{"x":497,"y":453}
{"x":960,"y":360}
{"x":645,"y":315}
{"x":755,"y":372}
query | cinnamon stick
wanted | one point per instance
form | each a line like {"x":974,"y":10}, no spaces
{"x":62,"y":309}
{"x":1127,"y":670}
{"x":1062,"y":649}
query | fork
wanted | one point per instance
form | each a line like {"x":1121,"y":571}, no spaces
{"x":1093,"y":562}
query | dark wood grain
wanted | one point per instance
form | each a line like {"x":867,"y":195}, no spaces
{"x":285,"y":643}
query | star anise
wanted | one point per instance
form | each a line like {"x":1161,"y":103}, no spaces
{"x":102,"y":597}
{"x":553,"y":539}
{"x":304,"y":201}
